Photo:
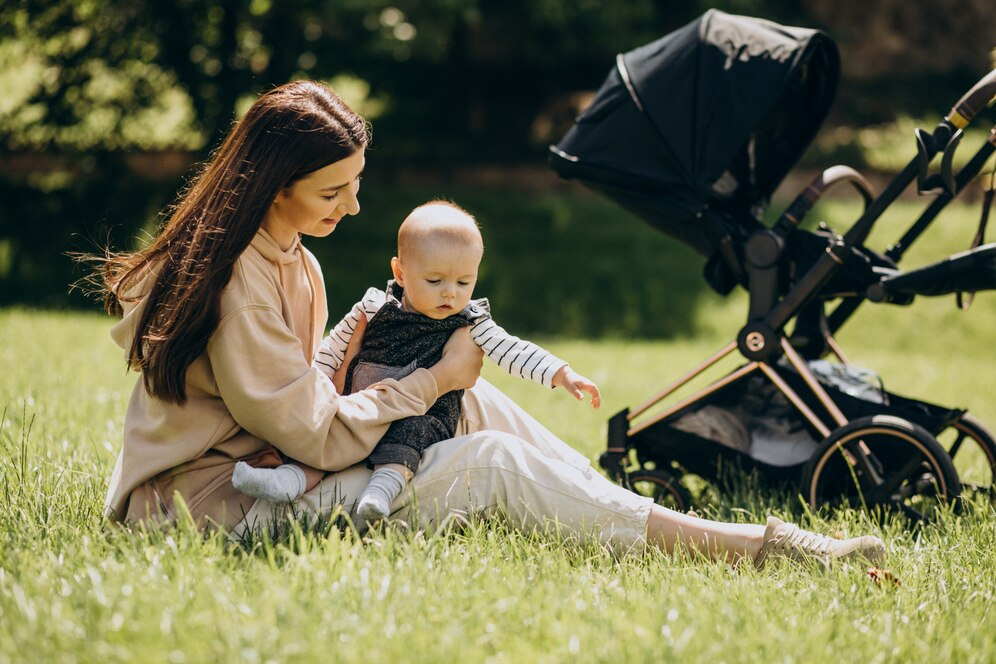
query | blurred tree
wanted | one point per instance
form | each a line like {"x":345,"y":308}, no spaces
{"x":83,"y":76}
{"x":92,"y":70}
{"x":446,"y":82}
{"x":225,"y":52}
{"x":450,"y":78}
{"x":912,"y":57}
{"x":904,"y":37}
{"x":81,"y":84}
{"x":90,"y":80}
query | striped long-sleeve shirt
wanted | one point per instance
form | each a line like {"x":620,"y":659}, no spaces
{"x":516,"y":356}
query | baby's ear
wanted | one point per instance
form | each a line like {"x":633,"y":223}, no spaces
{"x":396,"y":269}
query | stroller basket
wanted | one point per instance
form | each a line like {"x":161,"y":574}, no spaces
{"x":748,"y":425}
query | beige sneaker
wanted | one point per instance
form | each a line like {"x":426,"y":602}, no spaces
{"x":785,"y":540}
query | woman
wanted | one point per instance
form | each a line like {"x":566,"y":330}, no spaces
{"x":223,"y":313}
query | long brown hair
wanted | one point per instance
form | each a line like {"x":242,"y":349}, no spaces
{"x":289,"y":132}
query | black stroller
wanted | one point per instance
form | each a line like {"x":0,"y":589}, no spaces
{"x":693,"y":133}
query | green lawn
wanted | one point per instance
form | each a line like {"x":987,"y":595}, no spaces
{"x":72,"y":591}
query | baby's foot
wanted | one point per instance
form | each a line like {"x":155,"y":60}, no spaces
{"x":283,"y":483}
{"x":386,"y":484}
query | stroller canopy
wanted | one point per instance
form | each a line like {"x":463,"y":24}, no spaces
{"x":712,"y":115}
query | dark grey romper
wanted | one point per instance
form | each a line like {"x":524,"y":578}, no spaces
{"x":397,"y":342}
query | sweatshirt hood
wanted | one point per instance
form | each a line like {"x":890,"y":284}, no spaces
{"x":264,"y":243}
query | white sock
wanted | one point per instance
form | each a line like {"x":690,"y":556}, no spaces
{"x":283,"y":483}
{"x":385,"y":485}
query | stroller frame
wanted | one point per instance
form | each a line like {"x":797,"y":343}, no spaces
{"x":909,"y":482}
{"x":873,"y":454}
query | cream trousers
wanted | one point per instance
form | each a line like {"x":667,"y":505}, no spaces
{"x":503,"y":463}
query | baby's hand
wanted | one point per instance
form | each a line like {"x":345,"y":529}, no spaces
{"x":576,"y":385}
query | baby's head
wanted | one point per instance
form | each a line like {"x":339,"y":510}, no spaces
{"x":439,"y":250}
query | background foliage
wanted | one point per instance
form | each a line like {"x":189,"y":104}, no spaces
{"x":107,"y":103}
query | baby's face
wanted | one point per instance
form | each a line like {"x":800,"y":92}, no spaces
{"x":438,"y":279}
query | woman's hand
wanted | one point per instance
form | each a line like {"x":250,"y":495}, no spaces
{"x":339,"y":377}
{"x":460,"y":365}
{"x":576,"y":385}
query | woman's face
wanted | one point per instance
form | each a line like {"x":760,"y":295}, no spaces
{"x":315,"y":204}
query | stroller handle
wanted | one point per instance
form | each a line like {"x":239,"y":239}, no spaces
{"x":804,"y":202}
{"x":982,"y":94}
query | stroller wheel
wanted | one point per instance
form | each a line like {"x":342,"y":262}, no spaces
{"x":662,"y":486}
{"x":972,"y":448}
{"x":881,"y":461}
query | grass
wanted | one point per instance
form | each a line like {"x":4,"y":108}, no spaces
{"x":70,"y":590}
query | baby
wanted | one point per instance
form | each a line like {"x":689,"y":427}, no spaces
{"x":439,"y":252}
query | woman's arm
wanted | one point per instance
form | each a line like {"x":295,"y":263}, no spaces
{"x":273,"y":393}
{"x":460,"y":365}
{"x":458,"y":368}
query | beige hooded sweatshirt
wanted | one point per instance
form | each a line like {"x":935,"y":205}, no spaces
{"x":251,"y":394}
